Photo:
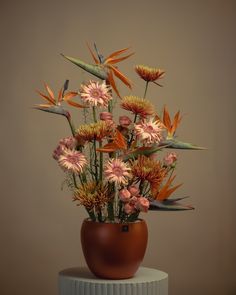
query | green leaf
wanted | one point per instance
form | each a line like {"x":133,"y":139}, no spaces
{"x":58,"y":110}
{"x":95,"y":70}
{"x":156,"y":205}
{"x":175,"y":144}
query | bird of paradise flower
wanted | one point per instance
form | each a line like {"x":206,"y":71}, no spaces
{"x":105,"y":68}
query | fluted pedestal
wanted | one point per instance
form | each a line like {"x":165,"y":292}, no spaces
{"x":80,"y":281}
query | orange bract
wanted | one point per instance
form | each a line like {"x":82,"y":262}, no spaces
{"x":166,"y":190}
{"x":52,"y":101}
{"x":171,"y":127}
{"x":112,"y":70}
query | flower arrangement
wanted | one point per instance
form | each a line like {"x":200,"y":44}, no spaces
{"x":117,"y":169}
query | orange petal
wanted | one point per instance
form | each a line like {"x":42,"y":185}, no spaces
{"x":51,"y":94}
{"x":118,"y":52}
{"x":49,"y":99}
{"x":112,"y":82}
{"x":69,"y":95}
{"x":94,"y":57}
{"x":166,"y":119}
{"x":121,"y":76}
{"x":116,"y":60}
{"x":60,"y":95}
{"x":120,"y":140}
{"x":176,"y":122}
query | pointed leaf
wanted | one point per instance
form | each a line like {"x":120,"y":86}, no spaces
{"x":96,"y":70}
{"x":157,"y":205}
{"x":59,"y":110}
{"x":174,"y":144}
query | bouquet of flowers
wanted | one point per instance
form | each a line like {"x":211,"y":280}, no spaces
{"x":117,"y":169}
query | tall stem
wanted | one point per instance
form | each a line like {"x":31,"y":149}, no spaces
{"x":101,"y":162}
{"x":132,"y":134}
{"x":145,"y":91}
{"x":94,"y":115}
{"x":95,"y":160}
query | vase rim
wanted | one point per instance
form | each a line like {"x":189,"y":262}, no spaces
{"x":114,"y":223}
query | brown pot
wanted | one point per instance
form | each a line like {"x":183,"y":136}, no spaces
{"x":114,"y":250}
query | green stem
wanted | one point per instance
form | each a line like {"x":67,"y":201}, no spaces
{"x":145,"y":91}
{"x":101,"y":162}
{"x":95,"y":160}
{"x":91,"y":214}
{"x":74,"y":180}
{"x":72,"y":128}
{"x":132,"y":134}
{"x":94,"y":115}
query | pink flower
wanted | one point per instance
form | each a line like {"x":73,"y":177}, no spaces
{"x":69,"y":142}
{"x":133,"y":189}
{"x":129,"y":208}
{"x":133,"y":200}
{"x":142,"y":204}
{"x":72,"y":161}
{"x":117,"y":171}
{"x":149,"y":131}
{"x":124,"y":195}
{"x":124,"y":121}
{"x":95,"y":93}
{"x":170,"y":159}
{"x":58,"y":152}
{"x":105,"y":116}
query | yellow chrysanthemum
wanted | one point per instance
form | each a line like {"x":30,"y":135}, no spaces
{"x":137,"y":105}
{"x":149,"y":74}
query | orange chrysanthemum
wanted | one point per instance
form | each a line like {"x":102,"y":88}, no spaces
{"x":137,"y":105}
{"x":94,"y":131}
{"x":92,"y":195}
{"x":149,"y":74}
{"x":145,"y":168}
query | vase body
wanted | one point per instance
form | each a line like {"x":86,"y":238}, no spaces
{"x":114,"y":250}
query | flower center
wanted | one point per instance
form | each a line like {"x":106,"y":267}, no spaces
{"x":95,"y":93}
{"x":149,"y":129}
{"x":72,"y":159}
{"x":118,"y":171}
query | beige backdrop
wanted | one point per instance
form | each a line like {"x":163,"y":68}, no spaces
{"x":194,"y":41}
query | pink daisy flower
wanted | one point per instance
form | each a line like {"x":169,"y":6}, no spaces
{"x":117,"y":171}
{"x":149,"y":131}
{"x":95,"y":93}
{"x":72,"y":160}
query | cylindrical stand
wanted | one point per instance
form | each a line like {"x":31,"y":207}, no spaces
{"x":80,"y":281}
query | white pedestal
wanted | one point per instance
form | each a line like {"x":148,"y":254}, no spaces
{"x":80,"y":281}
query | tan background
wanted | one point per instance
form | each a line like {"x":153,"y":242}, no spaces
{"x":195,"y":42}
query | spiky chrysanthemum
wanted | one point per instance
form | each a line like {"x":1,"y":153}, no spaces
{"x":94,"y":131}
{"x":117,"y":171}
{"x":137,"y":105}
{"x":92,"y":195}
{"x":149,"y":74}
{"x":145,"y":168}
{"x":95,"y":93}
{"x":149,"y":131}
{"x":72,"y":160}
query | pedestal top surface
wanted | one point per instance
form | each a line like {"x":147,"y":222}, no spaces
{"x":143,"y":275}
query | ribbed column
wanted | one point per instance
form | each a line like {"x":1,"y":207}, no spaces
{"x":79,"y":281}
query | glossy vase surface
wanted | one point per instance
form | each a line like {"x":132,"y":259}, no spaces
{"x":114,"y":250}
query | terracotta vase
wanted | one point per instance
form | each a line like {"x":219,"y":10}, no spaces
{"x":114,"y":250}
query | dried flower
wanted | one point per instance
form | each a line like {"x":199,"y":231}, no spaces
{"x":105,"y":116}
{"x":92,"y":195}
{"x":124,"y":195}
{"x":137,"y":105}
{"x":117,"y":171}
{"x":124,"y":121}
{"x":170,"y":159}
{"x":129,"y":208}
{"x":69,"y":142}
{"x":133,"y":189}
{"x":95,"y":93}
{"x":145,"y":168}
{"x":149,"y":74}
{"x":142,"y":204}
{"x":94,"y":131}
{"x":149,"y":131}
{"x":72,"y":161}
